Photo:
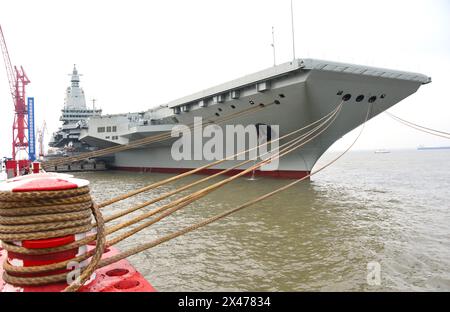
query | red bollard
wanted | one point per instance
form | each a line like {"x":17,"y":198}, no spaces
{"x":116,"y":277}
{"x":24,"y":166}
{"x":11,"y":168}
{"x":36,"y":167}
{"x":50,"y":183}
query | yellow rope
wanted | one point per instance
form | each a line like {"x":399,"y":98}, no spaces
{"x":56,"y":223}
{"x":215,"y":218}
{"x":180,"y":202}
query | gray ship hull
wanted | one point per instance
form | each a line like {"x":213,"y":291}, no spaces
{"x":304,"y":91}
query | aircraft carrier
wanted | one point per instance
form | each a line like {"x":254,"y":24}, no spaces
{"x":302,"y":91}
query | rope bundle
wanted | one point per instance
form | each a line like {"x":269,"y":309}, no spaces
{"x":43,"y":215}
{"x":46,"y":213}
{"x":39,"y":215}
{"x":149,"y":140}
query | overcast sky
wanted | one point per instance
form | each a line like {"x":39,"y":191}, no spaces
{"x":138,"y":54}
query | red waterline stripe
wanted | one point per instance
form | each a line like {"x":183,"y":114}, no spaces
{"x":279,"y":174}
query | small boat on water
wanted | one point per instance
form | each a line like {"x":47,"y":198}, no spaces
{"x":382,"y":151}
{"x":426,"y":148}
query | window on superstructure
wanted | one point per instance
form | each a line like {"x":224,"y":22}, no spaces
{"x":100,"y":129}
{"x":108,"y":129}
{"x":114,"y":129}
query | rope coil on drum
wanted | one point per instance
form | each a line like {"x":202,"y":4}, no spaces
{"x":39,"y":210}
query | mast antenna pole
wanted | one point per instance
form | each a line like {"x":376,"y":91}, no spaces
{"x":273,"y":46}
{"x":293,"y":34}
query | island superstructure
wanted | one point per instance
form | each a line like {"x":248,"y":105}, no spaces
{"x":303,"y":91}
{"x":74,"y":117}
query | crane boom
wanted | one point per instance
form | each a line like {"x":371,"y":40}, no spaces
{"x":8,"y":66}
{"x":18,"y":80}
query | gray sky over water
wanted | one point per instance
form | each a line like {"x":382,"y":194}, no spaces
{"x":138,"y":54}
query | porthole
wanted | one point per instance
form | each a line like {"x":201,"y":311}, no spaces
{"x":383,"y":96}
{"x":251,"y":102}
{"x":359,"y":98}
{"x":219,"y":109}
{"x":233,"y":107}
{"x":217,"y":114}
{"x":261,"y":104}
{"x":281,"y":95}
{"x":372,"y":99}
{"x":277,"y":102}
{"x":346,"y":97}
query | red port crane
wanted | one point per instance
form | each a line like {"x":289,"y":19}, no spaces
{"x":17,"y":82}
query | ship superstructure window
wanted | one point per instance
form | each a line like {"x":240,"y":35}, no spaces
{"x":101,"y":129}
{"x":108,"y":129}
{"x":114,"y":128}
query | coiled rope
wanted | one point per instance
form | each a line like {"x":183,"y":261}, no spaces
{"x":49,"y":214}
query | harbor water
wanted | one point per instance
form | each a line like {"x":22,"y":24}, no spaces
{"x":389,"y":209}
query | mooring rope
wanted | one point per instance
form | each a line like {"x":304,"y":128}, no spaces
{"x":38,"y":223}
{"x":290,"y":143}
{"x":22,"y":250}
{"x":199,"y":169}
{"x":57,"y":223}
{"x":415,"y":126}
{"x":63,"y":264}
{"x":76,"y":218}
{"x":151,"y":139}
{"x":168,"y":237}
